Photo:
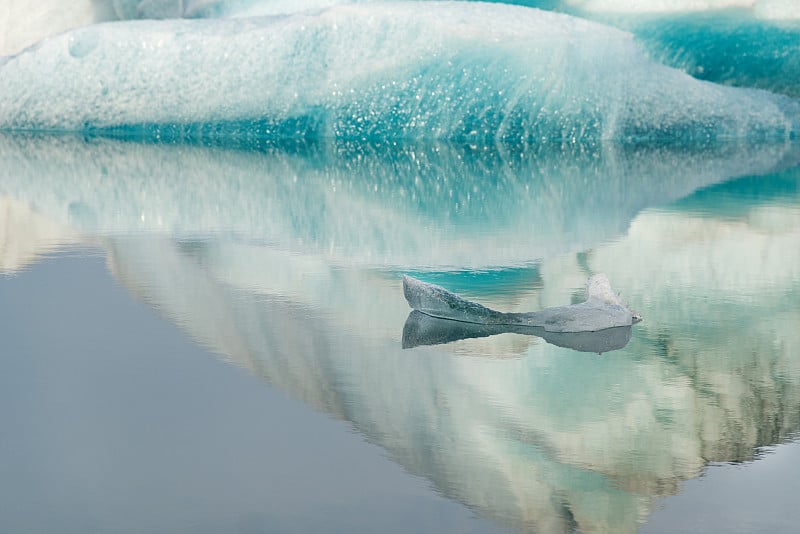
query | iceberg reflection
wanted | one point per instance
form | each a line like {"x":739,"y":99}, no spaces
{"x":418,"y":205}
{"x":554,"y":441}
{"x":256,"y":257}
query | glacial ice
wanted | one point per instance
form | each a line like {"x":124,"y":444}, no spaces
{"x":414,"y":70}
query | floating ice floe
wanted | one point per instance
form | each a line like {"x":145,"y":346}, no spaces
{"x":602,"y":309}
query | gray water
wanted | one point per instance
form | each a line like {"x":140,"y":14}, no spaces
{"x":206,"y":340}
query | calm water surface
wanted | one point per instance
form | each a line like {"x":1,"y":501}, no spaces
{"x":206,"y":340}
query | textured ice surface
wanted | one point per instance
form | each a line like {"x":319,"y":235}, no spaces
{"x":390,"y":71}
{"x":602,"y":308}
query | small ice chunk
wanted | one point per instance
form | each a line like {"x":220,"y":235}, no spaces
{"x":603,"y":308}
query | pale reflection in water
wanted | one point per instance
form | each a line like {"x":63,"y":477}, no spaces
{"x":555,"y":441}
{"x":417,"y":206}
{"x":422,"y":329}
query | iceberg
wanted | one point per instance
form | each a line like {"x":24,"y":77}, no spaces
{"x":602,"y":309}
{"x":414,"y":70}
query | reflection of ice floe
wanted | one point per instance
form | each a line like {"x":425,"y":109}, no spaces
{"x":414,"y":206}
{"x":601,"y":309}
{"x":423,"y":329}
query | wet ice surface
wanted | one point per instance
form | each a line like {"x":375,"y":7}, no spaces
{"x":228,"y":353}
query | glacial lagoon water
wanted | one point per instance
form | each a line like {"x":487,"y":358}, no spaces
{"x":209,"y":339}
{"x":205,"y":222}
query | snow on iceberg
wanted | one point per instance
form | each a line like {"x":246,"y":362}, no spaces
{"x":416,"y":70}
